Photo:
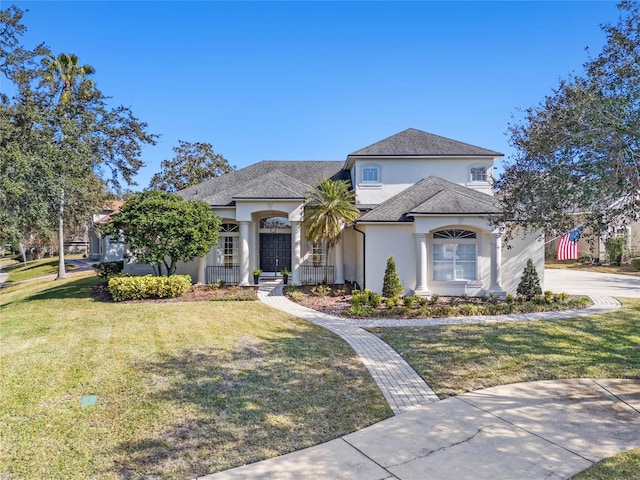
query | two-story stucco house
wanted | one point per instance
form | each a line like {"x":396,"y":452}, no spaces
{"x":424,"y":200}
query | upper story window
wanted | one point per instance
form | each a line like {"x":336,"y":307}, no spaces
{"x":479,"y":174}
{"x":370,"y":174}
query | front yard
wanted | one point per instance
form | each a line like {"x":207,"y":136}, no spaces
{"x":183,"y":389}
{"x":186,"y":388}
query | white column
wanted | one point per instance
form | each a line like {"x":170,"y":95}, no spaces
{"x":422,"y":258}
{"x":338,"y":258}
{"x":244,"y":253}
{"x":496,"y":264}
{"x":296,"y":252}
{"x":202,"y":270}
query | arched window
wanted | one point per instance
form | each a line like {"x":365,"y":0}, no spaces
{"x":228,"y":244}
{"x":454,"y":255}
{"x":275,"y":223}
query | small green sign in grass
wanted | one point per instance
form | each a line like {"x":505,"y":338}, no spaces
{"x":88,"y":400}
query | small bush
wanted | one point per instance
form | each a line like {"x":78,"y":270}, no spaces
{"x":360,"y":311}
{"x":321,"y":290}
{"x":562,"y":297}
{"x":108,"y":269}
{"x":493,"y":299}
{"x":509,"y":299}
{"x":359,"y":298}
{"x":614,"y":248}
{"x":140,"y":288}
{"x":548,"y":296}
{"x":422,"y":301}
{"x":635,"y":263}
{"x":434,"y":299}
{"x":374,"y":300}
{"x":391,"y":285}
{"x":409,"y":300}
{"x":529,"y":285}
{"x":392,"y":302}
{"x":468,"y":310}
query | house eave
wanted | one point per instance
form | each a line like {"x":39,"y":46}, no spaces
{"x":351,"y":159}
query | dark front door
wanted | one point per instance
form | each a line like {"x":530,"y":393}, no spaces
{"x":275,"y":252}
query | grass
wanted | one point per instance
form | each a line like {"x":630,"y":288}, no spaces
{"x":588,"y":267}
{"x":458,"y":359}
{"x":624,"y":466}
{"x":35,"y":268}
{"x":183,"y":389}
{"x":463,"y":358}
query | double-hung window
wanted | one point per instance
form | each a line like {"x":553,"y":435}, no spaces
{"x":370,"y":174}
{"x":454,"y":255}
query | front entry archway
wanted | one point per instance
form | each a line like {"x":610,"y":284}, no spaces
{"x":275,"y":252}
{"x":275,"y":244}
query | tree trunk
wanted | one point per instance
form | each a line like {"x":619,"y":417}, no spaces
{"x":62,"y":273}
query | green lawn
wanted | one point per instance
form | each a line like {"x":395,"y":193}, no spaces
{"x":459,"y":359}
{"x":183,"y":389}
{"x":35,"y":268}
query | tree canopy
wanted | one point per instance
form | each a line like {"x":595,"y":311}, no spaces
{"x":576,"y":152}
{"x":193,"y":163}
{"x":62,"y":143}
{"x":161,"y":229}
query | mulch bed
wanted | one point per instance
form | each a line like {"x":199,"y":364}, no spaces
{"x":197,"y":293}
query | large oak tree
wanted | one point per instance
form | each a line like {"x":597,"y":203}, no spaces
{"x":62,"y":143}
{"x":577,"y":151}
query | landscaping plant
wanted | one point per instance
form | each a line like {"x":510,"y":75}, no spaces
{"x":391,"y":286}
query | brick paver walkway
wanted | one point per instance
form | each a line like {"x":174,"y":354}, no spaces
{"x":401,"y":386}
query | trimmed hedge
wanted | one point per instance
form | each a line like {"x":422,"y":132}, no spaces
{"x":138,"y":288}
{"x":635,"y":263}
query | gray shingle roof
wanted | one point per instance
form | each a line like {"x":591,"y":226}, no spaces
{"x":413,"y":142}
{"x":433,"y":196}
{"x":260,"y":180}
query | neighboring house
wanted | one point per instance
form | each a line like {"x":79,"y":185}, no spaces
{"x":105,"y":248}
{"x":424,"y":200}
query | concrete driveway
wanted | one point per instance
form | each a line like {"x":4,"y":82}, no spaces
{"x":540,"y":430}
{"x":591,"y":283}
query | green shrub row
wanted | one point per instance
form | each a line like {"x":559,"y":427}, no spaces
{"x":108,"y":269}
{"x":124,"y":288}
{"x":394,"y":308}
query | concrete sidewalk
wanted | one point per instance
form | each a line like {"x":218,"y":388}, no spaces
{"x":537,"y":430}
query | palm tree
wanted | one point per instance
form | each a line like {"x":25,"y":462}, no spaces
{"x":65,"y":73}
{"x":328,"y":209}
{"x":66,"y":76}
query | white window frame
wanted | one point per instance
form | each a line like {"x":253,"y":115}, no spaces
{"x":454,"y":238}
{"x":229,"y":245}
{"x":370,"y":167}
{"x":316,"y":254}
{"x":484,"y":176}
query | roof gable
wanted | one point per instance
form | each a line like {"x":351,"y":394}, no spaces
{"x":274,"y":185}
{"x":221,"y":191}
{"x":416,"y":143}
{"x":433,"y":196}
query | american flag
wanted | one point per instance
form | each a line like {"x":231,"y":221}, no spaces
{"x":568,"y":245}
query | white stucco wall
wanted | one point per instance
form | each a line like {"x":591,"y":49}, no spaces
{"x":515,"y":256}
{"x":384,"y":241}
{"x":400,"y":173}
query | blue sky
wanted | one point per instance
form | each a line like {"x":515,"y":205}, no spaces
{"x":318,"y":80}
